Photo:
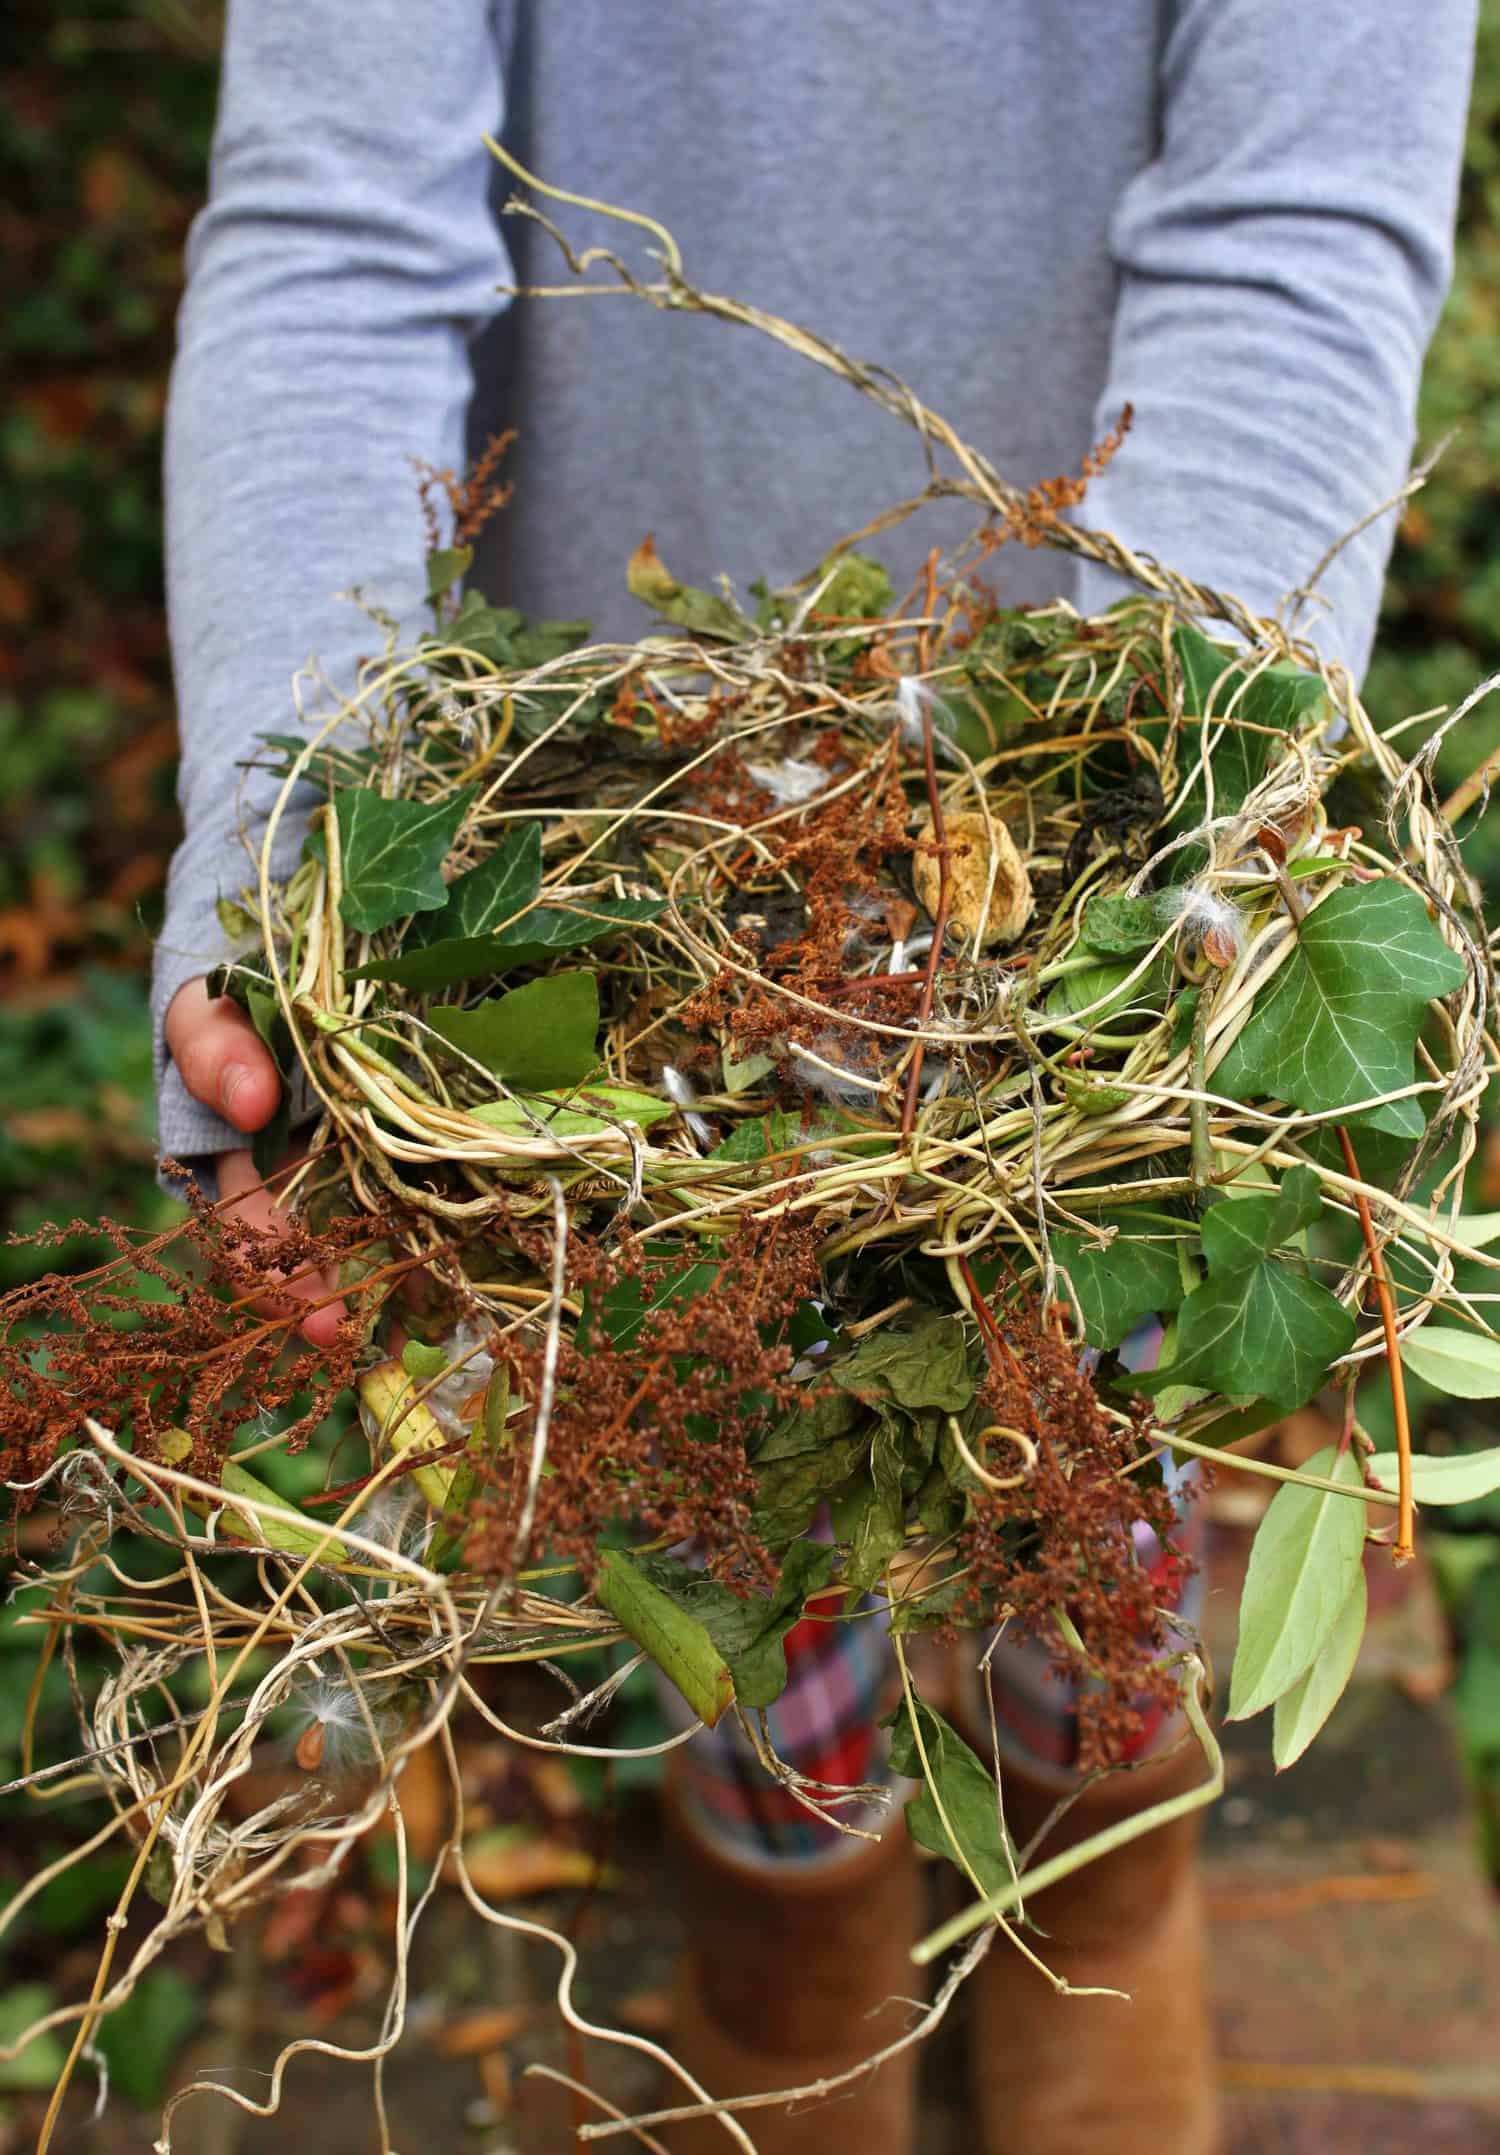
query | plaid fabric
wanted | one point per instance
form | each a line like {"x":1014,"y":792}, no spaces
{"x":1036,"y":1707}
{"x":841,"y":1682}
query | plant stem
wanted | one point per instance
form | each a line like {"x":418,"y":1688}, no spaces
{"x":1403,"y":1549}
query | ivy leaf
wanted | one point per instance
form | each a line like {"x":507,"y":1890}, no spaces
{"x":1301,"y":1711}
{"x":919,"y":1362}
{"x":1302,"y":1564}
{"x":549,"y":929}
{"x":1339,"y":1023}
{"x":676,"y":1641}
{"x":490,"y":895}
{"x":1133,"y":1278}
{"x":701,"y":612}
{"x":537,"y":1036}
{"x":1277,"y":701}
{"x":1463,"y":1364}
{"x":1101,"y":992}
{"x":1256,"y":1328}
{"x":391,"y":853}
{"x":540,"y":935}
{"x":966,"y":1791}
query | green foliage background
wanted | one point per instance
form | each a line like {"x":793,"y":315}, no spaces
{"x":106,"y":111}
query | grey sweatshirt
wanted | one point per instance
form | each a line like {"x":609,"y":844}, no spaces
{"x":1235,"y":215}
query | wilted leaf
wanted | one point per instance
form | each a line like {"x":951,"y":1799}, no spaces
{"x":1301,"y":1711}
{"x":966,"y":1791}
{"x":511,"y":1862}
{"x":704,"y":613}
{"x":917,"y":1361}
{"x":238,"y":1481}
{"x":1301,"y":1572}
{"x":1339,"y":1023}
{"x":574,"y":1112}
{"x":1120,"y":927}
{"x":748,"y":1630}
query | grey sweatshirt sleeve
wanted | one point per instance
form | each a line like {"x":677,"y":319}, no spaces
{"x":343,"y":261}
{"x":1282,"y":263}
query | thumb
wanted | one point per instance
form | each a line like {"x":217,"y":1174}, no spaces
{"x":223,"y":1061}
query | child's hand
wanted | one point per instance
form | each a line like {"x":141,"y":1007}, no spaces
{"x":225,"y":1064}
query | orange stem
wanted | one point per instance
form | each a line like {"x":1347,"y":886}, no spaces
{"x":1405,"y":1544}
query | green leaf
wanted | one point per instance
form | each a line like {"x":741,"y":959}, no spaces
{"x":678,"y":1643}
{"x":1120,"y":927}
{"x":758,"y":1135}
{"x":238,"y":1481}
{"x":1256,"y":1328}
{"x":1101,"y":991}
{"x":445,"y":565}
{"x":537,"y":1036}
{"x":957,"y":1780}
{"x":621,"y":1311}
{"x":1460,"y":1478}
{"x":704,"y":613}
{"x":920,"y":1361}
{"x":1133,"y":1278}
{"x":869,"y":1518}
{"x":391,"y":853}
{"x":791,"y":1484}
{"x":41,"y":2062}
{"x":487,"y":897}
{"x":538,"y":936}
{"x":1301,"y":1711}
{"x":421,"y":1361}
{"x":142,"y":2036}
{"x":749,"y":1630}
{"x":1339,"y":1022}
{"x":1477,"y":1230}
{"x":1301,"y":1572}
{"x":577,"y":1112}
{"x":1463,"y":1364}
{"x":1280,"y":698}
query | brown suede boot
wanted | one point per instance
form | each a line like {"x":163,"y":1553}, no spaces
{"x":1055,"y":2075}
{"x":791,"y":1976}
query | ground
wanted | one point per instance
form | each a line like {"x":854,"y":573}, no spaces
{"x":1356,"y":1962}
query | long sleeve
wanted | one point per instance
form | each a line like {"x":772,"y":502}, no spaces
{"x":1282,"y":262}
{"x":346,"y":256}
